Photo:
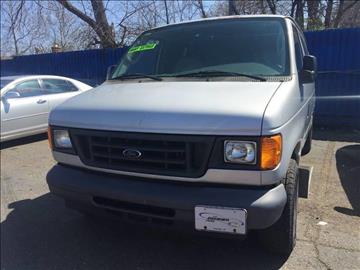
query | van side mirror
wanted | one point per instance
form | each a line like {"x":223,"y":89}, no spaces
{"x":110,"y":72}
{"x":309,"y":70}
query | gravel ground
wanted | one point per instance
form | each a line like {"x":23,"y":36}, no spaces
{"x":38,"y":232}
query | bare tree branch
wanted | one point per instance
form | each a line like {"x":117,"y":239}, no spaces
{"x":100,"y":25}
{"x":199,"y":4}
{"x":342,"y":9}
{"x":272,"y":6}
{"x":232,"y":8}
{"x":328,"y":13}
{"x":166,"y":12}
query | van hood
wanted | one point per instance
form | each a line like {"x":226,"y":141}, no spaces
{"x":216,"y":108}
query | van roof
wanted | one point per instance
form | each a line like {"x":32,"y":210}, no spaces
{"x":222,"y":18}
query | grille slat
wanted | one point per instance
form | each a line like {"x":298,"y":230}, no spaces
{"x":146,"y":148}
{"x":188,"y":156}
{"x":163,"y":154}
{"x":112,"y":156}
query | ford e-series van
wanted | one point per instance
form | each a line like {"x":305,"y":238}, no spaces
{"x":201,"y":125}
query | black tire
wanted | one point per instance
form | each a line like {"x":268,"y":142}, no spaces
{"x":307,"y":147}
{"x":281,"y":236}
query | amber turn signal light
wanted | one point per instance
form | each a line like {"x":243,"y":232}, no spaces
{"x":271,"y":148}
{"x":49,"y":133}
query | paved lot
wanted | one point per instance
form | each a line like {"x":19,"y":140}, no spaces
{"x":38,"y":232}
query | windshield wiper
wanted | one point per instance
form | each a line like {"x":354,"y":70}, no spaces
{"x":219,"y":73}
{"x":136,"y":75}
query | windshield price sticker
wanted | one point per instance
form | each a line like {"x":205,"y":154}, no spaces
{"x":149,"y":46}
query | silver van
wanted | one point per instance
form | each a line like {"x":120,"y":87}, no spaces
{"x":201,"y":126}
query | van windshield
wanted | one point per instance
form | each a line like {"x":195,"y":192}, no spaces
{"x":252,"y":46}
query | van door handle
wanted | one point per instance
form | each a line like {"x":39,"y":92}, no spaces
{"x":41,"y":101}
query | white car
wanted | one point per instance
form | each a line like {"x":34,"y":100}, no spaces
{"x":27,"y":100}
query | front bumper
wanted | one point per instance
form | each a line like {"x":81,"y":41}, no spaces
{"x":171,"y":202}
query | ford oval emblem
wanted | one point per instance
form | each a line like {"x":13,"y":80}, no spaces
{"x":131,"y":154}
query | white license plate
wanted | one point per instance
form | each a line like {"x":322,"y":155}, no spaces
{"x":220,"y":219}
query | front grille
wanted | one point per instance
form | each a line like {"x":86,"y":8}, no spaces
{"x":162,"y":154}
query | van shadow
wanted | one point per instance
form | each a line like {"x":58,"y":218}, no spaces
{"x":43,"y":234}
{"x":348,"y":167}
{"x":23,"y":141}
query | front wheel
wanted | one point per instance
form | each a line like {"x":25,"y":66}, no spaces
{"x":281,"y":236}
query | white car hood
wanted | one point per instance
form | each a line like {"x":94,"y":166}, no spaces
{"x":216,"y":108}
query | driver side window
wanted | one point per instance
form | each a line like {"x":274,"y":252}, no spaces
{"x":298,"y":50}
{"x":28,"y":88}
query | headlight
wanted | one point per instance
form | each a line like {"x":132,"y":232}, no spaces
{"x":61,"y":138}
{"x":240,"y":152}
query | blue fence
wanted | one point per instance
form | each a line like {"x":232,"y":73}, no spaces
{"x":338,"y":82}
{"x":88,"y":66}
{"x":337,"y":87}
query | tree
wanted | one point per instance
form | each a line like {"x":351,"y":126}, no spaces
{"x":33,"y":26}
{"x":314,"y":20}
{"x":342,"y":9}
{"x":232,"y":8}
{"x":328,"y":13}
{"x":100,"y":24}
{"x":166,"y":12}
{"x":299,"y":12}
{"x":272,"y":5}
{"x":22,"y":26}
{"x":152,"y":14}
{"x":351,"y":17}
{"x":64,"y":27}
{"x":200,"y":5}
